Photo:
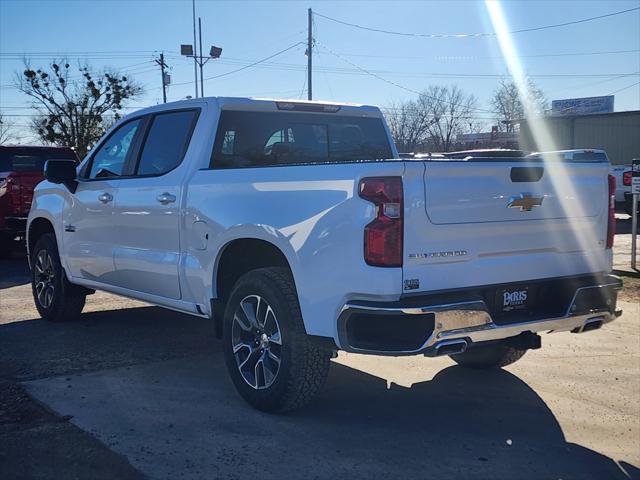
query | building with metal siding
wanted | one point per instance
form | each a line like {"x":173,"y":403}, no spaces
{"x":617,"y":133}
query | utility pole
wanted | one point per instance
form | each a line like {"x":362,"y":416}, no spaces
{"x":164,"y":76}
{"x":201,"y":62}
{"x":309,"y":52}
{"x":195,"y":62}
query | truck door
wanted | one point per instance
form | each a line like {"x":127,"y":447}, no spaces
{"x":88,"y":230}
{"x":147,"y":212}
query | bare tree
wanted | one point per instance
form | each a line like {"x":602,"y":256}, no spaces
{"x":7,"y":133}
{"x":75,"y":112}
{"x":507,"y":103}
{"x":450,"y":111}
{"x":408,"y":124}
{"x":433,"y":121}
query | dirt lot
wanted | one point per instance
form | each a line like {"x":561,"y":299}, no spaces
{"x":133,"y":391}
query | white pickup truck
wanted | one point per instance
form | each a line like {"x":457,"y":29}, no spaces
{"x":295,"y":227}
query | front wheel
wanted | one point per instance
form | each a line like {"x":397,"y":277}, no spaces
{"x":56,"y":299}
{"x":494,"y":355}
{"x":274,"y":364}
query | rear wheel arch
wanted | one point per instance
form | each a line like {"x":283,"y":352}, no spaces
{"x":237,"y":258}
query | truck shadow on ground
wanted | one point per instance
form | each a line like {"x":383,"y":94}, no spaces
{"x":182,"y":415}
{"x":14,"y":269}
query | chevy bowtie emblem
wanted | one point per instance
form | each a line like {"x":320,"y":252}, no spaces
{"x":525,"y":202}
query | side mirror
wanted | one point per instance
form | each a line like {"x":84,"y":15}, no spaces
{"x":61,"y":171}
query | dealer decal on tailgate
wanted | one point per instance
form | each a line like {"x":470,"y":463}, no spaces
{"x":514,"y":298}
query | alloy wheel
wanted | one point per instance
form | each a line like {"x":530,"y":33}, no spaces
{"x":256,"y":342}
{"x":44,"y":278}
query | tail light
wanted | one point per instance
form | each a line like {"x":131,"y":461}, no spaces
{"x":611,"y":224}
{"x":383,"y":236}
{"x":626,"y":178}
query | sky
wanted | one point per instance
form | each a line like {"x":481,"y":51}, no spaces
{"x":599,"y":57}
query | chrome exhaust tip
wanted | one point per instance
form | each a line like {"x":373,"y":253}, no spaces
{"x":593,"y":323}
{"x":450,"y":347}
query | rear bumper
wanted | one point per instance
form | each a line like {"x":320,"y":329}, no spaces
{"x":422,"y":325}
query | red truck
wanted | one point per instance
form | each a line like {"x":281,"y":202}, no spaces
{"x":21,"y":169}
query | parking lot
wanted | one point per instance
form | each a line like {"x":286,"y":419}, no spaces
{"x":134,"y":391}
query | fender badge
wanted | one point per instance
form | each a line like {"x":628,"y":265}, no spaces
{"x":412,"y":284}
{"x":450,"y":253}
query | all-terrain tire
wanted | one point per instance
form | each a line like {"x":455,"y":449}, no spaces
{"x":304,"y":362}
{"x":494,"y":355}
{"x":66,"y":300}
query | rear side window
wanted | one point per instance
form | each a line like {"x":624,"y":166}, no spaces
{"x":258,"y":139}
{"x":166,"y":142}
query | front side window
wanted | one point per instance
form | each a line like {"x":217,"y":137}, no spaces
{"x":110,"y":159}
{"x":255,"y":139}
{"x":166,"y":142}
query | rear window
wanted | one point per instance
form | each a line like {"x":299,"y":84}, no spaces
{"x":30,"y":162}
{"x":259,"y":139}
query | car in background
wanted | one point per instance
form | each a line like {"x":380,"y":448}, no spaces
{"x":21,"y":169}
{"x":575,"y":155}
{"x":628,"y":196}
{"x":623,"y":184}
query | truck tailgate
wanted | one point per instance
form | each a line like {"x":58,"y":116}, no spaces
{"x":479,"y":223}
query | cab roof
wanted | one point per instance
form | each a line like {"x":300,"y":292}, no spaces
{"x":269,"y":105}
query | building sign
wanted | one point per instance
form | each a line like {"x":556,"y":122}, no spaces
{"x":582,"y":106}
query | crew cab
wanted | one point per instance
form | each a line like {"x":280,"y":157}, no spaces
{"x":21,"y":168}
{"x":295,"y":227}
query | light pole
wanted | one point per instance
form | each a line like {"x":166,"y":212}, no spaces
{"x":195,"y":63}
{"x":200,"y":60}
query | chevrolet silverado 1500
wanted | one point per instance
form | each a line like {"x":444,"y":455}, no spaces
{"x":295,"y":227}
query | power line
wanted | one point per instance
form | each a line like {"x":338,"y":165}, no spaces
{"x":479,"y":34}
{"x":489,"y":57}
{"x":253,"y":64}
{"x":341,"y":70}
{"x":389,"y":81}
{"x":592,"y":84}
{"x":625,"y":88}
{"x":256,"y":62}
{"x":134,"y":69}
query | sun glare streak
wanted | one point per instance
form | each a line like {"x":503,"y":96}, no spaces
{"x":581,"y":228}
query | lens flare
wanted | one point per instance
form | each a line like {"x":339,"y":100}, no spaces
{"x":577,"y":233}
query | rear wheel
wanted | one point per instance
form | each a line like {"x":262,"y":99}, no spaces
{"x":494,"y":355}
{"x":274,"y":364}
{"x":56,"y":299}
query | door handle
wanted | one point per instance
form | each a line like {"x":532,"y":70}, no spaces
{"x":165,"y":198}
{"x":105,"y":197}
